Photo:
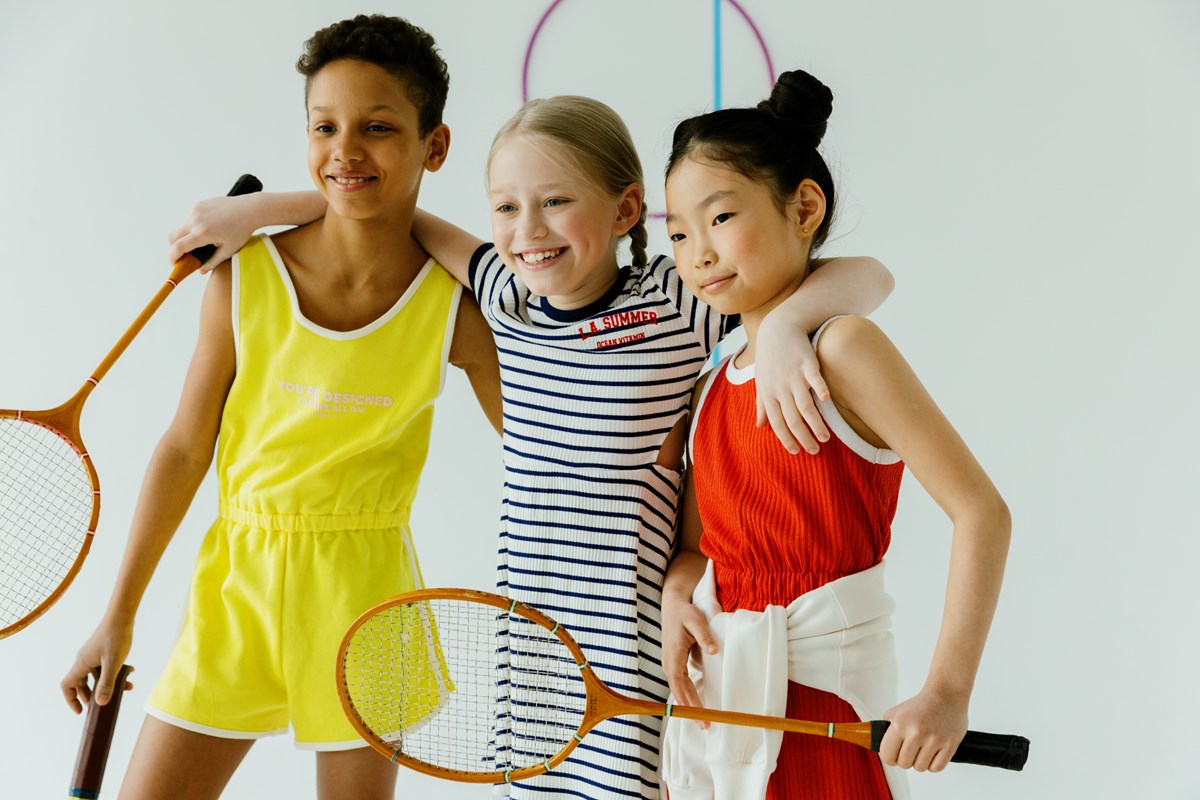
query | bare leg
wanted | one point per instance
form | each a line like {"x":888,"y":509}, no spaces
{"x":359,"y":774}
{"x":172,"y":762}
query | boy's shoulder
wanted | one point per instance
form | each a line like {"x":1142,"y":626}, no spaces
{"x":258,"y":249}
{"x":300,"y":240}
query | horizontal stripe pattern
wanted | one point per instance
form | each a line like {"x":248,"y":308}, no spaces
{"x":588,"y":518}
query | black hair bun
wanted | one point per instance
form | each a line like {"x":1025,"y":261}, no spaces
{"x":802,"y":105}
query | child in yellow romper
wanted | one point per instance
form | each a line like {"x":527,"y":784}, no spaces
{"x":321,"y":352}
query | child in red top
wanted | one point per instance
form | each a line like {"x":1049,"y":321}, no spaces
{"x":748,"y":199}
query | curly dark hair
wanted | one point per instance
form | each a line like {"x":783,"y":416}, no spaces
{"x":404,"y":50}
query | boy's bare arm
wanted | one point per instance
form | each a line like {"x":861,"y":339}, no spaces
{"x":474,"y":351}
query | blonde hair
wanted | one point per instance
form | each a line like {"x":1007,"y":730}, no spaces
{"x":592,"y":140}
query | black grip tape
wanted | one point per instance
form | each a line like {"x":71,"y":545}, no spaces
{"x":1002,"y":750}
{"x":247,"y":184}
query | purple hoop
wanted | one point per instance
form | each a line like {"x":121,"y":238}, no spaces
{"x":529,"y":50}
{"x":545,"y":16}
{"x":771,"y":76}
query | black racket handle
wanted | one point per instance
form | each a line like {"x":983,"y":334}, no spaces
{"x":247,"y":184}
{"x":97,"y":738}
{"x":1002,"y":750}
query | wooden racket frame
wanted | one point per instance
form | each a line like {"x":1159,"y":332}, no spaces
{"x":602,"y":702}
{"x":63,"y":420}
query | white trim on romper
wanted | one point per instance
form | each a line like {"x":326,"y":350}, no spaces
{"x":833,"y":418}
{"x":223,"y":733}
{"x":713,"y":375}
{"x":220,"y":733}
{"x":235,"y":299}
{"x":332,"y":747}
{"x":451,"y":319}
{"x":370,"y":327}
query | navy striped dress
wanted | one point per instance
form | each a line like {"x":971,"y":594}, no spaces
{"x":588,"y":517}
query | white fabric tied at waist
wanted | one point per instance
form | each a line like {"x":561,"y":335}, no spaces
{"x":836,"y":638}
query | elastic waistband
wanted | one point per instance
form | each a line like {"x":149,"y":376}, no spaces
{"x":754,"y":590}
{"x":275,"y":521}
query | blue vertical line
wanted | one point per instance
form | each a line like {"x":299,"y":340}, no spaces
{"x":717,"y":54}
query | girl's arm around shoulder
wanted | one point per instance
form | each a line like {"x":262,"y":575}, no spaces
{"x":787,"y":372}
{"x":474,"y":351}
{"x":846,"y":285}
{"x":450,"y":245}
{"x":229,"y":222}
{"x":178,"y":465}
{"x":882,"y":399}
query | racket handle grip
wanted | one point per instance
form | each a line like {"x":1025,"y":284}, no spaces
{"x":97,"y":738}
{"x":247,"y":184}
{"x":1002,"y":750}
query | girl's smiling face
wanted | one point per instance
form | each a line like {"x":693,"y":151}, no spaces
{"x":552,"y":226}
{"x":734,"y":247}
{"x":365,"y":151}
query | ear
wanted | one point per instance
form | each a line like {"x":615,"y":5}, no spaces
{"x":807,"y":208}
{"x":437,"y":146}
{"x":629,"y":209}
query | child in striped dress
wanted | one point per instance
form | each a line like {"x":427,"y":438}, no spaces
{"x":597,"y":364}
{"x":795,"y":545}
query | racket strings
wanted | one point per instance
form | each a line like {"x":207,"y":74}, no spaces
{"x":545,"y":699}
{"x":46,"y":502}
{"x":464,"y":686}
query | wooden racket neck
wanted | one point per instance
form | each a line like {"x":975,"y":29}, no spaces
{"x":183,"y":267}
{"x":604,"y":703}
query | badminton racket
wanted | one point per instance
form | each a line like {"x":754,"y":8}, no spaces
{"x":97,"y":738}
{"x":475,"y":687}
{"x":49,"y":490}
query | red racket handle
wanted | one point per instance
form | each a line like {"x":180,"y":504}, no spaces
{"x":97,"y":738}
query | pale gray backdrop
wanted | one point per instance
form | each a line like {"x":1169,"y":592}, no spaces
{"x":1026,"y":169}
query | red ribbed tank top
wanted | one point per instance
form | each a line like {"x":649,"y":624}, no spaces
{"x":778,"y":525}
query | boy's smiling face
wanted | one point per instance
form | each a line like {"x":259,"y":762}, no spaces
{"x":365,"y":152}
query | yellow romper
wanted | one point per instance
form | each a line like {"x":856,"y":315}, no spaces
{"x":322,"y":441}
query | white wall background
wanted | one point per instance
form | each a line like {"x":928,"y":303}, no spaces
{"x":1027,"y":169}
